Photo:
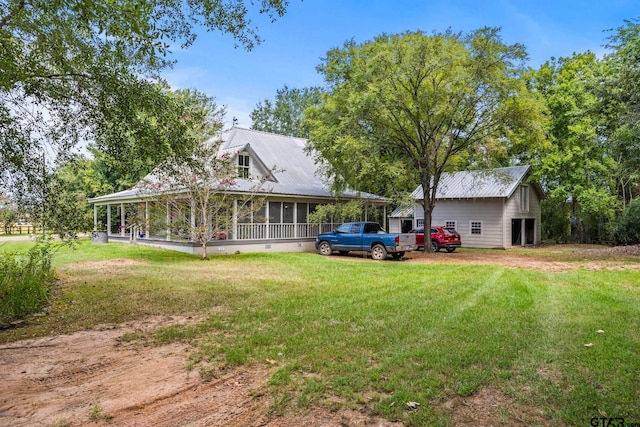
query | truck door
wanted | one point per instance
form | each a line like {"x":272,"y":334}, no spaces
{"x":348,"y":237}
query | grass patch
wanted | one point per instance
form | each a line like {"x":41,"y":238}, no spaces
{"x":375,"y":334}
{"x":25,"y":280}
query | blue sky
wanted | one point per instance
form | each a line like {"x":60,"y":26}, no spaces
{"x":294,"y":45}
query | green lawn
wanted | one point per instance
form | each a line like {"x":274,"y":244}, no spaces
{"x":347,"y":331}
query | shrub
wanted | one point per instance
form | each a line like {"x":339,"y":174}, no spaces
{"x":25,"y":281}
{"x":628,"y":228}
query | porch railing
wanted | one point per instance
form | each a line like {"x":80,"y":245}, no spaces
{"x":280,"y":231}
{"x":260,"y":231}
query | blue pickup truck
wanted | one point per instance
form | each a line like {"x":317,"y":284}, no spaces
{"x":365,"y":236}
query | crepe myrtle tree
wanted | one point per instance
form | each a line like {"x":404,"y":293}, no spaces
{"x":197,"y":199}
{"x":410,"y":107}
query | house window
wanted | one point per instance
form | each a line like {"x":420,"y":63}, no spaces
{"x":243,"y":165}
{"x":476,"y":228}
{"x":524,"y":198}
{"x":450,"y":224}
{"x":419,"y":223}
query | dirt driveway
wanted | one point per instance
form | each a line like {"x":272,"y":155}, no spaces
{"x":92,"y":378}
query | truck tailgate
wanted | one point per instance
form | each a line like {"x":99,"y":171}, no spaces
{"x":407,"y":239}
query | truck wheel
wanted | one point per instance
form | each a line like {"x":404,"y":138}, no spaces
{"x":378,"y":252}
{"x":435,"y":246}
{"x":325,"y":248}
{"x":397,"y":255}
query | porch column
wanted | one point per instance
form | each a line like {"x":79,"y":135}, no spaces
{"x":234,"y":221}
{"x":168,"y":221}
{"x":268,"y":218}
{"x":108,"y":220}
{"x":384,"y":217}
{"x":122,"y":225}
{"x":295,"y":220}
{"x":192,"y":222}
{"x":95,"y":217}
{"x":146,"y":219}
{"x":523,"y":229}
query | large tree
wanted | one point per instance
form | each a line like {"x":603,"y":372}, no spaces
{"x":79,"y":70}
{"x":576,"y":169}
{"x":404,"y":109}
{"x":619,"y":96}
{"x":286,"y":114}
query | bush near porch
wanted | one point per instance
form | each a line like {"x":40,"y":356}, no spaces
{"x":347,"y":331}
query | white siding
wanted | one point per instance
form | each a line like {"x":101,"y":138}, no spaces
{"x":394,"y":225}
{"x":495,"y":214}
{"x":463,"y":212}
{"x":513,"y":211}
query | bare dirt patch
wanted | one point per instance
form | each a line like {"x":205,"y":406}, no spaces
{"x":90,"y":378}
{"x":491,"y":407}
{"x":568,"y":258}
{"x":104,"y":265}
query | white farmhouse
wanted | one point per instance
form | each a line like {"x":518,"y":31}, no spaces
{"x":497,"y":208}
{"x":293,"y":189}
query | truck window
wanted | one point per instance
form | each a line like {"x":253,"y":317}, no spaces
{"x":344,"y":228}
{"x":372,"y":228}
{"x":355,"y":229}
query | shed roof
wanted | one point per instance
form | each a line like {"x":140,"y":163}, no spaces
{"x":294,"y":170}
{"x":481,"y":184}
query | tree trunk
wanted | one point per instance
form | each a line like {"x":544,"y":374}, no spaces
{"x":426,"y":206}
{"x":204,"y":250}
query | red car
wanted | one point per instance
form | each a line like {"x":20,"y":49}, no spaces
{"x":441,"y":237}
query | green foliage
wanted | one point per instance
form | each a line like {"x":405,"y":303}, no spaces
{"x":76,"y":71}
{"x":337,"y":213}
{"x":400,"y":110}
{"x":556,"y":218}
{"x":25,"y":281}
{"x":628,"y":225}
{"x":576,"y":169}
{"x":620,"y":104}
{"x":286,"y":115}
{"x":9,"y":213}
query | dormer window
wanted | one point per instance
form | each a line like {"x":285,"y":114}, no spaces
{"x":243,"y":166}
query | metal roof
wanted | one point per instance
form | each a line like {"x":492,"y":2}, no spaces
{"x":294,"y":171}
{"x":479,"y":184}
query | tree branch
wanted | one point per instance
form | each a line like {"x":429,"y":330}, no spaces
{"x":19,"y":7}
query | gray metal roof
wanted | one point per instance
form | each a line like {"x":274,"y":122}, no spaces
{"x":479,"y":184}
{"x":294,"y":171}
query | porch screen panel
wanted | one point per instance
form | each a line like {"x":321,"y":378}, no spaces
{"x":302,"y":213}
{"x":244,"y":216}
{"x":260,"y":215}
{"x":287,"y":213}
{"x":275,"y":212}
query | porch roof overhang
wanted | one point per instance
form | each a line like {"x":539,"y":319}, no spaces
{"x":244,"y":187}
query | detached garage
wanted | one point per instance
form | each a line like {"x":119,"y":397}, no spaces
{"x":496,"y":208}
